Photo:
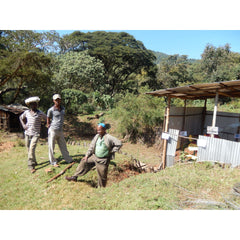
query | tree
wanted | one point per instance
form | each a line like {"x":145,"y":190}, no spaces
{"x":24,"y":67}
{"x":121,"y":54}
{"x":78,"y":70}
{"x":220,"y":64}
{"x":173,"y":71}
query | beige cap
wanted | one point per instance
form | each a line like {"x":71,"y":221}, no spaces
{"x":56,"y":96}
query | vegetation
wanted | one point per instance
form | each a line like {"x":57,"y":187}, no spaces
{"x":101,"y":70}
{"x":138,"y":115}
{"x":183,"y":186}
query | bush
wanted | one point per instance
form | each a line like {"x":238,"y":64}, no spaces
{"x":73,"y":99}
{"x":138,"y":114}
{"x":87,"y":108}
{"x":103,"y":101}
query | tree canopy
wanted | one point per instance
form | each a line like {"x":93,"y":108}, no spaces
{"x":24,"y":66}
{"x":105,"y":66}
{"x":121,"y":54}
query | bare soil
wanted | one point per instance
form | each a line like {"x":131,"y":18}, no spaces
{"x":6,"y":146}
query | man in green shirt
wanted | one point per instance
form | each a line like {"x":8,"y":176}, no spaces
{"x":100,"y":152}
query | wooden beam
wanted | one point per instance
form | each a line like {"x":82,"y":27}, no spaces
{"x":184,"y":119}
{"x":215,"y":112}
{"x":203,"y":116}
{"x":166,"y":130}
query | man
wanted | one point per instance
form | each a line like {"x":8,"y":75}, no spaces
{"x":55,"y":118}
{"x":100,"y":152}
{"x":31,"y":122}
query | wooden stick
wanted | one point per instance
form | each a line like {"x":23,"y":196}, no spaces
{"x":61,"y":173}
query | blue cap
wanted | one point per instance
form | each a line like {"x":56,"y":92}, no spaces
{"x":102,"y":124}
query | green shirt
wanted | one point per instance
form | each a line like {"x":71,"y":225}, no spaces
{"x":101,"y":149}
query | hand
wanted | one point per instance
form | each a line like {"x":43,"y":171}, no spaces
{"x":85,"y":158}
{"x":25,"y":127}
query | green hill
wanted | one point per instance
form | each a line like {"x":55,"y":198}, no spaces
{"x":161,"y":56}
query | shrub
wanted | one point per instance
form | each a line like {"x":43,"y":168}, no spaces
{"x":103,"y":101}
{"x":138,"y":114}
{"x":73,"y":99}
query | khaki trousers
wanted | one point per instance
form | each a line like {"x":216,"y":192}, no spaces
{"x":53,"y":136}
{"x":101,"y":166}
{"x":31,"y":144}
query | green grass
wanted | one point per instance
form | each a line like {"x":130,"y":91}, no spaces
{"x":176,"y":187}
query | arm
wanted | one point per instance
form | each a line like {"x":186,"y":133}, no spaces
{"x":116,"y":144}
{"x":49,"y":115}
{"x":23,"y":121}
{"x":48,"y":122}
{"x":112,"y":143}
{"x":91,"y":148}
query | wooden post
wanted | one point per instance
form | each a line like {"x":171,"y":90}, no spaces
{"x":166,"y":130}
{"x":183,"y":123}
{"x":204,"y":115}
{"x":215,"y":112}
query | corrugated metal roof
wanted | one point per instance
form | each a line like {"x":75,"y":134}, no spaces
{"x":202,"y":91}
{"x":16,"y":109}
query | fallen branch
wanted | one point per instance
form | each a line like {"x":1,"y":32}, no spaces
{"x":206,"y":202}
{"x":231,"y":204}
{"x":186,"y":190}
{"x":61,"y":173}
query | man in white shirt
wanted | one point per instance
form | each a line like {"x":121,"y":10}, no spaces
{"x":31,"y":122}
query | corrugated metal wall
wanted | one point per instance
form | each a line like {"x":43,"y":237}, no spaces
{"x":193,"y":119}
{"x":219,"y":150}
{"x":171,"y":146}
{"x":228,"y":124}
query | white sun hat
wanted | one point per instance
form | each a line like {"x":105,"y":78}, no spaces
{"x":56,"y":96}
{"x":32,"y":99}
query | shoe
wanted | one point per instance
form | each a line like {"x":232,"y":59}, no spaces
{"x":74,"y":179}
{"x":69,"y":162}
{"x":33,"y":170}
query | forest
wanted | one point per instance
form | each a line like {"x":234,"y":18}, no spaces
{"x":105,"y":71}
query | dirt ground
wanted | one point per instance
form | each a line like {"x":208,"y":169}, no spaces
{"x":6,"y":146}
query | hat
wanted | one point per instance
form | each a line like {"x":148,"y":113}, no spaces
{"x":32,"y":99}
{"x":56,"y":96}
{"x":102,"y":124}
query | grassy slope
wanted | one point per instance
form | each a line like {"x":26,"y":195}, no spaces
{"x":172,"y":188}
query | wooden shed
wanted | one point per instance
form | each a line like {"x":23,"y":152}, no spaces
{"x":9,"y":117}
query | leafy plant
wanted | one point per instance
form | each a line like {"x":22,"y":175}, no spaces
{"x":74,"y":100}
{"x":137,"y":114}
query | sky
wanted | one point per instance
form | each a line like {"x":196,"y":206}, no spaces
{"x":173,"y":27}
{"x":183,"y":42}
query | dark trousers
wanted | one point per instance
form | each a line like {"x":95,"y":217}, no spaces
{"x":101,"y":166}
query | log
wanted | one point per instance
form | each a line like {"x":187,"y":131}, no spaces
{"x":61,"y":173}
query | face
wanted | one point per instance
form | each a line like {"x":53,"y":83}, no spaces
{"x":101,"y":131}
{"x":33,"y":106}
{"x":57,"y":102}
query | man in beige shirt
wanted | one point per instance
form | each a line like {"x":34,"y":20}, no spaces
{"x":99,"y":154}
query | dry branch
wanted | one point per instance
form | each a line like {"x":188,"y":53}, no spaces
{"x":61,"y":173}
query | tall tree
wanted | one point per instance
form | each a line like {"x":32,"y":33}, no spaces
{"x":220,"y":64}
{"x":173,"y":71}
{"x":78,"y":70}
{"x":121,"y":54}
{"x":24,"y":66}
